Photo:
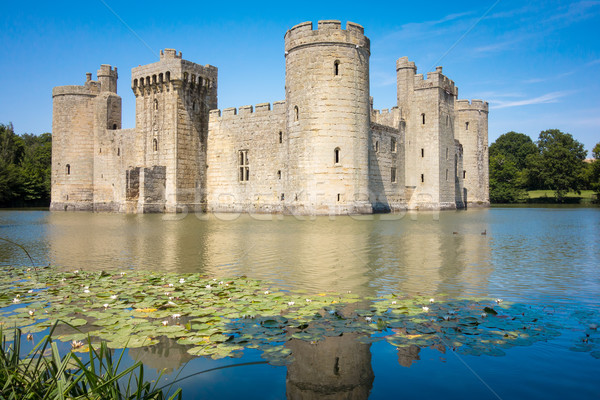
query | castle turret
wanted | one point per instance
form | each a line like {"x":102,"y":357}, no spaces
{"x":73,"y":116}
{"x":428,"y":109}
{"x":107,"y":76}
{"x":471,"y":128}
{"x":173,"y":100}
{"x":327,"y":100}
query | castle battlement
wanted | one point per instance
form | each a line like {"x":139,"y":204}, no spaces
{"x":172,"y":69}
{"x":328,"y":31}
{"x":472,"y":105}
{"x":76,"y":90}
{"x":262,"y":108}
{"x":435,"y":79}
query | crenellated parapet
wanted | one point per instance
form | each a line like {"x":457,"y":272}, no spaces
{"x":435,"y":79}
{"x":327,"y":32}
{"x":473,"y":105}
{"x":173,"y":71}
{"x":244,"y":111}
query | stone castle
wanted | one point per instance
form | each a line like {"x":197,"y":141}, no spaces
{"x":323,"y":150}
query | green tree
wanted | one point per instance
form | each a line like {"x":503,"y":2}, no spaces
{"x":514,"y":146}
{"x":11,"y":150}
{"x":559,"y":164}
{"x":505,"y":180}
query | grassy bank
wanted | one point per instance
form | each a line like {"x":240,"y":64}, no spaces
{"x":547,"y":197}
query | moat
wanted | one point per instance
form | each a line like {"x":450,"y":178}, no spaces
{"x":546,"y":258}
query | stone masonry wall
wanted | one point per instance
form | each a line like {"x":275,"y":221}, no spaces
{"x":256,"y":131}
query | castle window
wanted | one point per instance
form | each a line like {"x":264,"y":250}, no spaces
{"x":154,"y":79}
{"x":155,"y":105}
{"x":422,"y":178}
{"x":200,"y":81}
{"x":423,"y":118}
{"x":278,"y":174}
{"x":280,"y":137}
{"x":339,"y":197}
{"x":282,"y":196}
{"x":160,"y":78}
{"x":446,"y":174}
{"x":336,"y":155}
{"x":118,"y":151}
{"x":394,"y":145}
{"x":155,"y":144}
{"x":464,"y":174}
{"x":466,"y":126}
{"x":447,"y":120}
{"x":194,"y":106}
{"x":446,"y":153}
{"x":147,"y":81}
{"x":68,"y":169}
{"x":185,"y":76}
{"x":296,"y":113}
{"x":376,"y":146}
{"x":244,"y":166}
{"x":135,"y":83}
{"x":336,"y":67}
{"x":422,"y":153}
{"x":393,"y":175}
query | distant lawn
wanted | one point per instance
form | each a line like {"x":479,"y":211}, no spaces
{"x":547,"y":196}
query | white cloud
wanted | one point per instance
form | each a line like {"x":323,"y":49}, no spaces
{"x":546,"y":98}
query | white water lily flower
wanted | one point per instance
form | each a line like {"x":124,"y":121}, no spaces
{"x":30,"y":291}
{"x":499,"y":301}
{"x":229,"y":299}
{"x":18,"y":295}
{"x":215,"y":279}
{"x":431,"y":300}
{"x":28,"y":269}
{"x":30,"y":337}
{"x":208,"y":286}
{"x":227,"y":284}
{"x":394,"y":302}
{"x":176,"y":316}
{"x":75,"y":344}
{"x":123,"y":273}
{"x":31,"y":312}
{"x":425,"y":309}
{"x":483,"y":315}
{"x":221,"y":282}
{"x":15,"y":300}
{"x":291,"y":303}
{"x":114,"y":297}
{"x":171,"y":298}
{"x":105,"y":305}
{"x":86,"y":291}
{"x":182,"y":280}
{"x":165,"y":323}
{"x":308,"y":300}
{"x":267,"y":292}
{"x":171,"y":303}
{"x":76,"y":271}
{"x":170,"y":285}
{"x":368,"y":319}
{"x":63,"y":279}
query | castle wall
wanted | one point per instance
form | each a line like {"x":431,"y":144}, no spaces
{"x":386,"y":169}
{"x":255,"y":131}
{"x":472,"y":130}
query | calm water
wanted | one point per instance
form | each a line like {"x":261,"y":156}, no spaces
{"x":548,"y":256}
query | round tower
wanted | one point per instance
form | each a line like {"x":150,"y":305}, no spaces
{"x":73,"y":146}
{"x":471,"y":129}
{"x":327,"y":100}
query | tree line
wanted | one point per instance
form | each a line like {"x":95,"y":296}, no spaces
{"x":25,"y":166}
{"x":554,"y":162}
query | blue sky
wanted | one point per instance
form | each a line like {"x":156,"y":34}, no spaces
{"x":537,"y":64}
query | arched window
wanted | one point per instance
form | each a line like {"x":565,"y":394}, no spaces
{"x":376,"y":146}
{"x":135,"y":83}
{"x":185,"y":76}
{"x":280,"y":137}
{"x":118,"y":151}
{"x":154,"y":79}
{"x":296,"y":112}
{"x":155,"y":104}
{"x":423,"y":118}
{"x":278,"y":174}
{"x":336,"y":155}
{"x":446,"y":174}
{"x":114,"y":126}
{"x":160,"y":78}
{"x":168,"y":76}
{"x":68,"y":169}
{"x":154,"y":144}
{"x":194,"y":106}
{"x":466,"y":126}
{"x":336,"y":67}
